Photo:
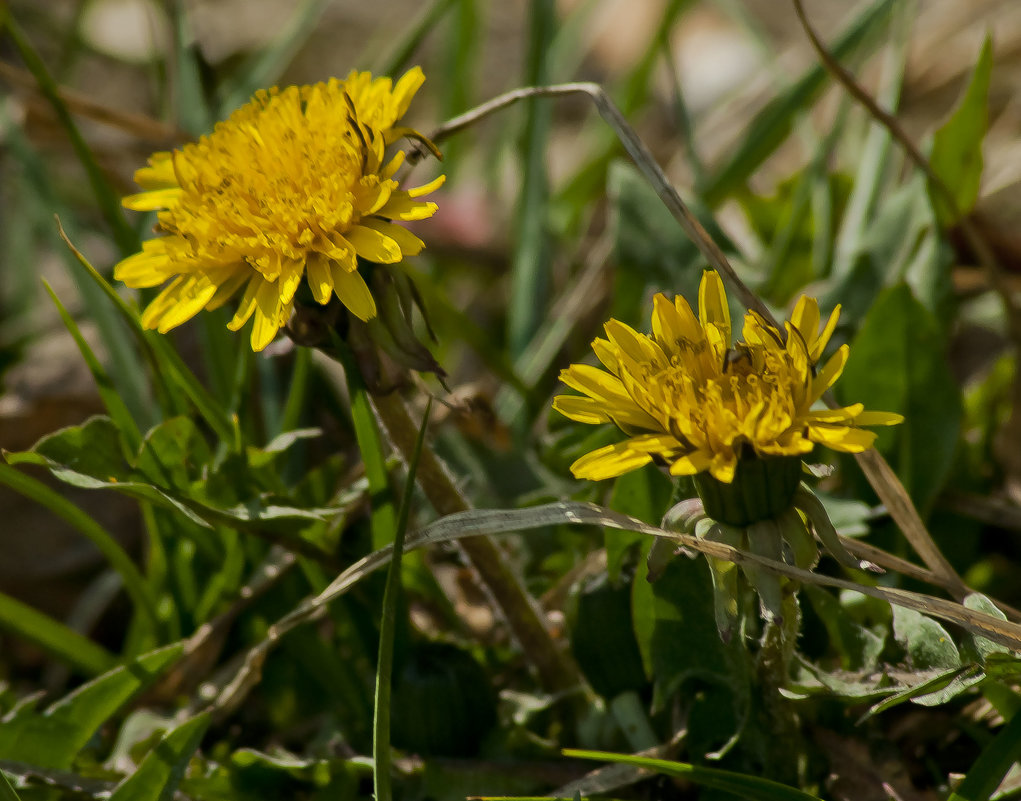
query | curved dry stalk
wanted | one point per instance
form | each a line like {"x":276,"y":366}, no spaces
{"x":555,"y":668}
{"x":495,"y":522}
{"x":915,"y":531}
{"x":875,"y":467}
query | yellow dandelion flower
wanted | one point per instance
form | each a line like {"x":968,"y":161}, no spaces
{"x":690,"y":400}
{"x":295,"y":184}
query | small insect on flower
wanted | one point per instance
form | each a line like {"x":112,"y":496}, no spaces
{"x":294,"y":185}
{"x":691,"y":401}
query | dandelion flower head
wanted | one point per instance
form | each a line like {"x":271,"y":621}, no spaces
{"x":294,"y":185}
{"x":690,"y":400}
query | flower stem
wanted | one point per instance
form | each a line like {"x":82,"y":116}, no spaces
{"x":773,"y":663}
{"x":555,"y":669}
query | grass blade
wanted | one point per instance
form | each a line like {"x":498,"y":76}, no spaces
{"x":6,"y":790}
{"x":992,"y":765}
{"x":106,"y":198}
{"x":752,"y":788}
{"x":384,"y":667}
{"x":530,"y":262}
{"x":168,"y":369}
{"x":61,"y":642}
{"x":771,"y":126}
{"x":163,"y":768}
{"x":112,"y":399}
{"x":134,"y":583}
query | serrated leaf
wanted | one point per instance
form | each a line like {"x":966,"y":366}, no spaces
{"x":983,"y":647}
{"x":171,"y":452}
{"x":753,"y":788}
{"x":644,"y":494}
{"x":927,"y":643}
{"x":859,"y":647}
{"x":53,"y":739}
{"x":260,"y":457}
{"x":163,"y":767}
{"x":957,"y":146}
{"x":93,"y":448}
{"x":932,"y":690}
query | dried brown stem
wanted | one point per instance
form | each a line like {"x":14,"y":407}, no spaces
{"x":557,"y":672}
{"x":892,"y":494}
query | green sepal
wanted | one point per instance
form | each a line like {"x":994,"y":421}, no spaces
{"x":762,"y":488}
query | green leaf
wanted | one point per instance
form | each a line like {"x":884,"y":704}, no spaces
{"x":897,"y":364}
{"x":163,"y":767}
{"x":957,"y":146}
{"x":927,"y":643}
{"x":931,"y":690}
{"x":771,"y":126}
{"x":388,"y":627}
{"x":743,"y":786}
{"x":90,"y":456}
{"x":6,"y":790}
{"x":54,"y":637}
{"x":106,"y":198}
{"x":644,"y":494}
{"x":675,"y":627}
{"x":859,"y":647}
{"x":652,"y":250}
{"x":134,"y":583}
{"x":173,"y":454}
{"x":530,"y":264}
{"x":108,"y":392}
{"x":992,"y":764}
{"x":54,"y":738}
{"x":984,"y":648}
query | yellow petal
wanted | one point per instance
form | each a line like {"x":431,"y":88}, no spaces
{"x":228,"y":287}
{"x":319,"y":277}
{"x":178,"y":303}
{"x":408,"y":84}
{"x":824,"y":337}
{"x":425,"y":189}
{"x":830,"y":373}
{"x":878,"y":419}
{"x":401,"y":206}
{"x":372,"y":245}
{"x":805,"y":317}
{"x":622,"y":457}
{"x":247,"y":304}
{"x":595,"y":383}
{"x":153,"y":200}
{"x":844,"y":415}
{"x":723,"y":466}
{"x":581,"y":410}
{"x":409,"y":244}
{"x":638,"y":347}
{"x":151,"y":267}
{"x":353,"y":292}
{"x":712,"y":303}
{"x":267,"y":315}
{"x":159,"y":174}
{"x":690,"y":464}
{"x":842,"y":438}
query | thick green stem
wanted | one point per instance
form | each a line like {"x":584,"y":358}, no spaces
{"x":554,"y":667}
{"x":773,"y":664}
